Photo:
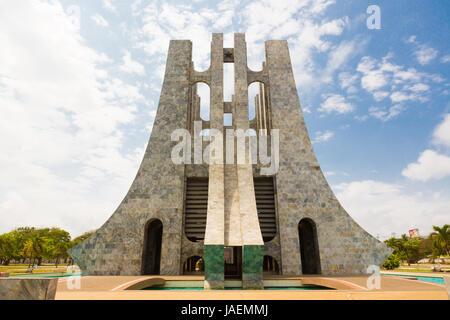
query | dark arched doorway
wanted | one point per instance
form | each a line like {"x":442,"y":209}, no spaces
{"x":194,"y":265}
{"x":151,"y":256}
{"x":309,"y":246}
{"x":270,"y":265}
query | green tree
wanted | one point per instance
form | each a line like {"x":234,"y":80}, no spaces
{"x":412,"y":250}
{"x":392,"y":262}
{"x":81,"y":238}
{"x":425,"y":248}
{"x":405,"y":248}
{"x":28,"y":251}
{"x":56,"y":244}
{"x":9,"y":247}
{"x":441,"y":239}
{"x":398,"y":246}
{"x":35,"y":244}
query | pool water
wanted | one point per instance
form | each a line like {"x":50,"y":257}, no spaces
{"x":431,"y":279}
{"x":438,"y":280}
{"x":304,"y":287}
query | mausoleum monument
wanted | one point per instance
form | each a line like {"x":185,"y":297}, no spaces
{"x":228,"y":206}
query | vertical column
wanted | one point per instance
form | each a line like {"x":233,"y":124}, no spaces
{"x":253,"y":245}
{"x":262,"y":97}
{"x":257,"y":113}
{"x":214,"y":235}
{"x":287,"y":117}
{"x":165,"y":195}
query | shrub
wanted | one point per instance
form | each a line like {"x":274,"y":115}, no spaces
{"x":392,"y":262}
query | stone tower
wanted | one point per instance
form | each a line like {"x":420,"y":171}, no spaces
{"x":240,"y":217}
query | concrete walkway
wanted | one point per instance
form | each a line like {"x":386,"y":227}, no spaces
{"x":343,"y":288}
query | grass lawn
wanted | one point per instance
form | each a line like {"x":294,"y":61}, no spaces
{"x":412,"y":270}
{"x":22,"y":268}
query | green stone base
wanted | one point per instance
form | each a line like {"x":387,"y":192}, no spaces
{"x":214,"y":267}
{"x":252,"y":267}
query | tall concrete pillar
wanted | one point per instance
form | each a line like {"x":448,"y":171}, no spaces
{"x":303,"y":194}
{"x":252,"y":242}
{"x":214,"y":234}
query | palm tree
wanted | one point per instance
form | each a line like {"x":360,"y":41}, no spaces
{"x":441,"y":239}
{"x":28,"y":251}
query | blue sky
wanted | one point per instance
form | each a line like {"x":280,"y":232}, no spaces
{"x":80,"y":82}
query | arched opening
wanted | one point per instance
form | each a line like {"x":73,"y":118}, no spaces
{"x":253,"y":91}
{"x":194,"y":265}
{"x":309,"y":246}
{"x":257,"y":104}
{"x":228,"y":81}
{"x":203,"y":93}
{"x":151,"y":256}
{"x":270,"y":265}
{"x":200,"y":102}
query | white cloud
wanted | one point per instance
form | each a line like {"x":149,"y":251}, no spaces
{"x":61,"y":129}
{"x":441,"y":134}
{"x":107,"y":4}
{"x":383,"y":208}
{"x":309,"y":35}
{"x":380,"y":95}
{"x":161,"y":23}
{"x":347,"y":79}
{"x":361,"y":118}
{"x":339,"y":56}
{"x":323,"y":136}
{"x":418,"y":87}
{"x":445,"y":59}
{"x":425,"y":55}
{"x":99,"y":20}
{"x":335,"y":103}
{"x":131,"y":66}
{"x":411,"y":39}
{"x":372,"y":79}
{"x":384,"y":79}
{"x":400,"y":96}
{"x":385,"y":115}
{"x":430,"y":166}
{"x":302,"y":23}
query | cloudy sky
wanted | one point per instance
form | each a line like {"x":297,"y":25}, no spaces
{"x":80,"y":82}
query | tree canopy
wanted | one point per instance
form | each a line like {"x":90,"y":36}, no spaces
{"x":413,"y":249}
{"x":34,"y":244}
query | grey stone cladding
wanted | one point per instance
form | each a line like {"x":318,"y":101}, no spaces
{"x":301,"y":190}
